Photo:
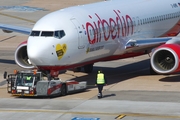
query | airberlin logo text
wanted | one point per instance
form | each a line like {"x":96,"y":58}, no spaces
{"x":120,"y":26}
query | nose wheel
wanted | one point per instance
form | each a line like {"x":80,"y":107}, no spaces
{"x":51,"y":74}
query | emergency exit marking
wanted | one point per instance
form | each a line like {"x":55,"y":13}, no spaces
{"x":77,"y":118}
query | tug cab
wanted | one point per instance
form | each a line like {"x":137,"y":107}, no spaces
{"x":23,"y":82}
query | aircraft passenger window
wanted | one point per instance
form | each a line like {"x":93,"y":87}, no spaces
{"x":119,"y":26}
{"x":116,"y":27}
{"x":96,"y":31}
{"x":170,"y":16}
{"x":151,"y":20}
{"x":90,"y":32}
{"x":59,"y":34}
{"x":93,"y":31}
{"x":109,"y":28}
{"x":176,"y":15}
{"x":138,"y":22}
{"x":47,"y":33}
{"x":104,"y":29}
{"x":35,"y":33}
{"x":99,"y":30}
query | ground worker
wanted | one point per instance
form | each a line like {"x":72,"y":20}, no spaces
{"x":100,"y":82}
{"x":29,"y":79}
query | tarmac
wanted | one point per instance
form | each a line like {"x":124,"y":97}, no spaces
{"x":131,"y":93}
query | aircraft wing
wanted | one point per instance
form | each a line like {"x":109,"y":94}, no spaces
{"x":11,"y":28}
{"x":149,"y":43}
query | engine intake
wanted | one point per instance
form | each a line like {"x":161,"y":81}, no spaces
{"x":165,"y":59}
{"x":21,"y":57}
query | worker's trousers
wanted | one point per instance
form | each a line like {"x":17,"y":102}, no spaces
{"x":100,"y":88}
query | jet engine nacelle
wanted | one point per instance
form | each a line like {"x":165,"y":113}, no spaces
{"x":166,"y":59}
{"x":21,"y":57}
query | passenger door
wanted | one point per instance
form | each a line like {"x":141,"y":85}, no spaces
{"x":79,"y":32}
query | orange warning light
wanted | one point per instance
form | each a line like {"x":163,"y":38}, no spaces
{"x":15,"y":71}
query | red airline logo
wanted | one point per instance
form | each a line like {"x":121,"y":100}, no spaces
{"x":120,"y":26}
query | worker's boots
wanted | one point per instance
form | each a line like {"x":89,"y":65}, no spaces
{"x":99,"y":95}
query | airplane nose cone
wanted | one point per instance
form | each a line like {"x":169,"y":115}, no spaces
{"x":39,"y":52}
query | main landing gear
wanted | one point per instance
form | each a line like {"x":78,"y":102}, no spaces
{"x":87,"y":68}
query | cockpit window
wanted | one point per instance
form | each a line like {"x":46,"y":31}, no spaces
{"x":35,"y":33}
{"x":59,"y":34}
{"x":47,"y":33}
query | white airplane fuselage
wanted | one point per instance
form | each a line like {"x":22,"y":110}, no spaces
{"x":85,"y":34}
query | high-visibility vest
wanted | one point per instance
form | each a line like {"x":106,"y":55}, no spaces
{"x":28,"y":78}
{"x":100,"y":78}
